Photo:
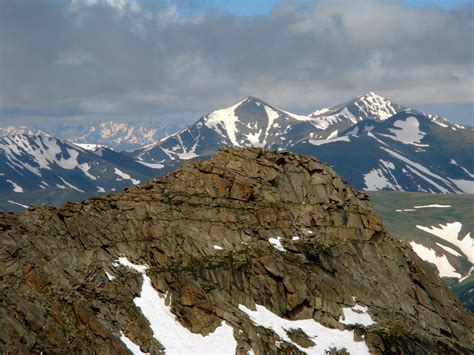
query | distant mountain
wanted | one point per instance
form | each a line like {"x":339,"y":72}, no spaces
{"x":409,"y":151}
{"x":373,"y":143}
{"x":123,"y":136}
{"x":248,"y":123}
{"x":116,"y":135}
{"x":368,"y":106}
{"x":19,"y":130}
{"x":29,"y":163}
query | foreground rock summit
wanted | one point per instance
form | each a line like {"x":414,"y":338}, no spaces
{"x":249,"y":251}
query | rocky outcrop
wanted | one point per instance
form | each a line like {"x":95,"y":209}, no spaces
{"x":249,"y":251}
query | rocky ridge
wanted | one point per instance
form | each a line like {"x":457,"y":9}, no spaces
{"x":247,"y":233}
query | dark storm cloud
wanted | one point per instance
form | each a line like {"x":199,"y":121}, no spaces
{"x":121,"y":58}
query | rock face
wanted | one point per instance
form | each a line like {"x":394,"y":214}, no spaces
{"x":251,"y":250}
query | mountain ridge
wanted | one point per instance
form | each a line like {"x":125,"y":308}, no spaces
{"x":30,"y":163}
{"x":250,"y":122}
{"x":433,"y":161}
{"x":114,"y":134}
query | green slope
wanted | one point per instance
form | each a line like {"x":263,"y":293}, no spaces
{"x":402,"y":225}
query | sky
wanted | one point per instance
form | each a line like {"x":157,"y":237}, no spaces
{"x":164,"y":60}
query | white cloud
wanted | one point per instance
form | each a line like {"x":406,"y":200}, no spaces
{"x":139,"y":58}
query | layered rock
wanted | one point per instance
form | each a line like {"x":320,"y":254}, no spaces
{"x":220,"y":248}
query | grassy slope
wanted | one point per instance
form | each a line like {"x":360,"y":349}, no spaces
{"x":402,"y":225}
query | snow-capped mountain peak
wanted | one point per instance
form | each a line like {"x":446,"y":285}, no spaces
{"x":376,"y":106}
{"x":245,"y":123}
{"x":368,"y":106}
{"x":251,"y":122}
{"x":224,"y":121}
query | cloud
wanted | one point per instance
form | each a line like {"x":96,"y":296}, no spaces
{"x":97,"y":58}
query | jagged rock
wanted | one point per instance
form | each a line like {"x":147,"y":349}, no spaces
{"x":221,"y":238}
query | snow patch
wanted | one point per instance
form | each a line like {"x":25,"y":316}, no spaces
{"x":321,"y":111}
{"x":371,"y":135}
{"x":71,"y":162}
{"x":168,"y":331}
{"x":151,"y":165}
{"x":188,"y":155}
{"x":323,"y":337}
{"x":448,"y":249}
{"x":333,"y":134}
{"x":254,"y":139}
{"x":68,"y":184}
{"x":353,"y":132}
{"x":134,"y":348}
{"x":276,"y":243}
{"x":450,"y":233}
{"x":85,"y":168}
{"x":272,"y":116}
{"x":418,"y":169}
{"x":17,"y":203}
{"x":326,"y":141}
{"x":357,"y":315}
{"x":223,"y":122}
{"x":125,"y":176}
{"x":375,"y":180}
{"x":433,"y":206}
{"x":445,"y":269}
{"x":471,"y":175}
{"x":90,"y":146}
{"x":387,"y":164}
{"x":16,"y":187}
{"x":466,"y":276}
{"x":407,"y":132}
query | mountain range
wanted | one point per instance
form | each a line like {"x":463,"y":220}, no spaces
{"x":372,"y":142}
{"x":113,"y":134}
{"x":40,"y":162}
